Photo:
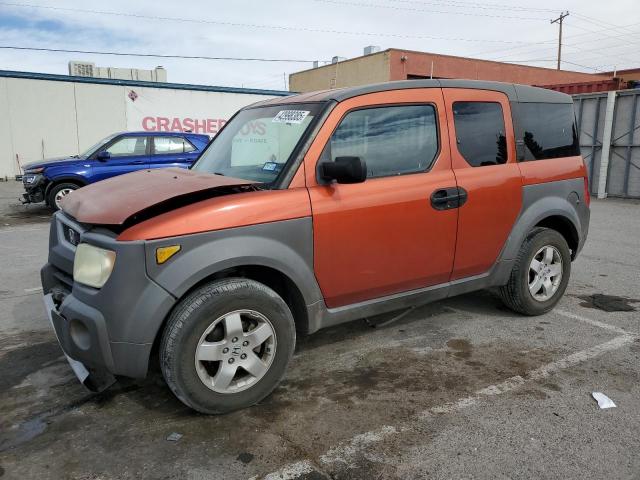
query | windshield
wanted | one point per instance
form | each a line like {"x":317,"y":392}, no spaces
{"x":89,"y":151}
{"x":257,"y":142}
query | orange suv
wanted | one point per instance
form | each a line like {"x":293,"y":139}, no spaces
{"x":313,"y":210}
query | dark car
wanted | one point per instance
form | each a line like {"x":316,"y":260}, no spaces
{"x":50,"y":180}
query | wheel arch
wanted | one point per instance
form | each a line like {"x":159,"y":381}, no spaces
{"x":271,"y":277}
{"x":550,"y":212}
{"x":67,"y":179}
{"x":278,"y":254}
{"x":565,"y":227}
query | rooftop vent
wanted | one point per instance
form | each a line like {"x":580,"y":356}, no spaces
{"x":371,"y":49}
{"x":81,"y":69}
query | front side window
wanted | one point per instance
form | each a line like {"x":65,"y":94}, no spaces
{"x":128,"y":146}
{"x":548,"y":130}
{"x":164,"y":145}
{"x":480,"y":132}
{"x":258,"y":142}
{"x":392,"y":140}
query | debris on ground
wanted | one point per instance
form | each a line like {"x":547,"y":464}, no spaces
{"x":174,"y":437}
{"x":603,"y":400}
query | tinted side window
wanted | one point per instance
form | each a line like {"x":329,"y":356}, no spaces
{"x":548,"y":130}
{"x":392,"y":140}
{"x":164,"y":145}
{"x":480,"y":132}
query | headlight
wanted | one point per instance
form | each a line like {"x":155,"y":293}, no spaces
{"x":92,"y":266}
{"x":35,"y":170}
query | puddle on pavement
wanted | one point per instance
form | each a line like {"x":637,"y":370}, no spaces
{"x":461,"y":348}
{"x":608,"y":303}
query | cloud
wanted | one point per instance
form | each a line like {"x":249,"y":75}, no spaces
{"x":46,"y":27}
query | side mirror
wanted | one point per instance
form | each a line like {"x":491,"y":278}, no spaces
{"x":103,"y":156}
{"x":344,"y":170}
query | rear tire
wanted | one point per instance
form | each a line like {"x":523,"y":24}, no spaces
{"x":540,"y":274}
{"x":227,"y":345}
{"x":58,"y":192}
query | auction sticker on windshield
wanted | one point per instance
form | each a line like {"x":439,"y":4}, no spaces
{"x":290,"y":116}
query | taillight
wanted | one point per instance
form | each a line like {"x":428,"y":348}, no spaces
{"x":587,"y":193}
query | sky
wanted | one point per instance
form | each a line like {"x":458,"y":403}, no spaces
{"x":598,"y":35}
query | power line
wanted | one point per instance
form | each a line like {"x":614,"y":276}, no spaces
{"x":390,"y":7}
{"x":255,"y":25}
{"x":154,"y":55}
{"x":481,"y":6}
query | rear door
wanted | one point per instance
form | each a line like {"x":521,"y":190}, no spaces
{"x":128,"y":153}
{"x":383,"y":236}
{"x":483,"y":157}
{"x":171,"y":151}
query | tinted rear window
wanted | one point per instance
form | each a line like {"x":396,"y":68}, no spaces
{"x":480,"y":133}
{"x":548,"y":130}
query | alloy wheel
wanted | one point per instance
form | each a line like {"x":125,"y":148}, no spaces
{"x":235,"y":351}
{"x":545,"y":273}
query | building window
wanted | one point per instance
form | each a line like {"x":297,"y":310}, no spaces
{"x":480,"y":133}
{"x":392,"y":140}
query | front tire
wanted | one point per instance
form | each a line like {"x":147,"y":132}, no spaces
{"x":227,"y":345}
{"x":58,"y":192}
{"x":540,"y":274}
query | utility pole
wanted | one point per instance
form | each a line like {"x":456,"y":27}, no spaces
{"x":559,"y":22}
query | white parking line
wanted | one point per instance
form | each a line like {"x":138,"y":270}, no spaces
{"x":344,"y":453}
{"x":595,"y":323}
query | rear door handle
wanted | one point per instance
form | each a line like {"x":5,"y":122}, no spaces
{"x":138,"y":162}
{"x":447,"y":198}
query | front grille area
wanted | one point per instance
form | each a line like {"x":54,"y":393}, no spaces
{"x":71,"y":235}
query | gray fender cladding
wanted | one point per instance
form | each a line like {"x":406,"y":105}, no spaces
{"x":545,"y":200}
{"x":286,"y":246}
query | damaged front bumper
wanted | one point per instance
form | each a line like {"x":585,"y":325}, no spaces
{"x":109,"y":331}
{"x":35,"y":186}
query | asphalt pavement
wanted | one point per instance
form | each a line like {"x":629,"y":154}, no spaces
{"x":461,"y":388}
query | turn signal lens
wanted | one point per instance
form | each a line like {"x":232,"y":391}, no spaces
{"x":165,"y":253}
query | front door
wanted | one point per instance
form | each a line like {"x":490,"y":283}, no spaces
{"x":127,"y":153}
{"x":484,"y":161}
{"x":383,"y":236}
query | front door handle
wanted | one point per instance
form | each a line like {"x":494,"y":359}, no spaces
{"x":447,"y":198}
{"x":138,"y":162}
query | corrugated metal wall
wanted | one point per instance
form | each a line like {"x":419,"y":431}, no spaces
{"x":617,"y":173}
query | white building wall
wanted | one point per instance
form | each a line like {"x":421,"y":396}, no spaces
{"x":100,"y":111}
{"x":41,"y":119}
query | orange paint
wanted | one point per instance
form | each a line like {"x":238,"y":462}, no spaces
{"x":382,"y":236}
{"x":495,"y":193}
{"x":229,"y":211}
{"x":552,"y":170}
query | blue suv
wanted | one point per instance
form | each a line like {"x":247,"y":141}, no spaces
{"x":51,"y":180}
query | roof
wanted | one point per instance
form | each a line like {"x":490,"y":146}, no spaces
{"x":515,"y":92}
{"x":138,"y":83}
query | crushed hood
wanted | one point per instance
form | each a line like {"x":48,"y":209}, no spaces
{"x":135,"y":196}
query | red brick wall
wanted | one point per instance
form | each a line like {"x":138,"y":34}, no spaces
{"x":445,"y":66}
